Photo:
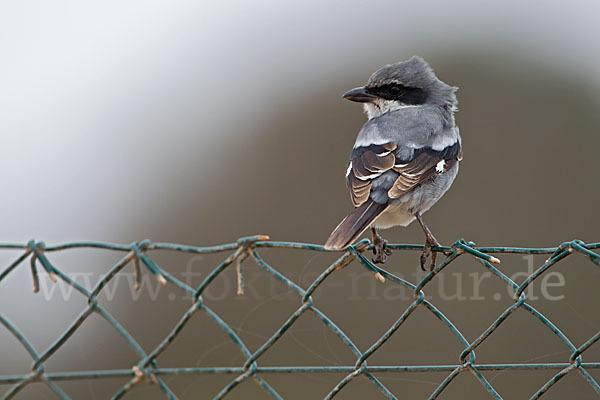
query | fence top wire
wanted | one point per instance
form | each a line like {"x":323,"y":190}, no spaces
{"x":148,"y":370}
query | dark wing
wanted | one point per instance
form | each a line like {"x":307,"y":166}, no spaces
{"x":411,"y":166}
{"x":367,"y":164}
{"x":378,"y":173}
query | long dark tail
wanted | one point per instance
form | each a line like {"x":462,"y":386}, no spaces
{"x":354,"y":225}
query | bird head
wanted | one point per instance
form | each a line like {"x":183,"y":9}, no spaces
{"x":403,"y":84}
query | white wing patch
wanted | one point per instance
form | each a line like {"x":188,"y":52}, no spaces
{"x":369,"y":177}
{"x":439,"y":167}
{"x":349,"y":169}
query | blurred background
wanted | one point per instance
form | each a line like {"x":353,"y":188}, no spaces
{"x":201,"y":122}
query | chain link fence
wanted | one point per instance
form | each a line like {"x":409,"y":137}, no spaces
{"x":147,"y":371}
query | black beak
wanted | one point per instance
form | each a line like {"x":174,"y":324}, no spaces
{"x":359,"y":95}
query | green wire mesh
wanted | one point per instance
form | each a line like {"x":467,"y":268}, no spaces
{"x":147,"y":369}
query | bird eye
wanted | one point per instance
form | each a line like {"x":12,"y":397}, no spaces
{"x":394,"y":90}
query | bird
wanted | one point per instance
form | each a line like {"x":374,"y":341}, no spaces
{"x":405,"y":157}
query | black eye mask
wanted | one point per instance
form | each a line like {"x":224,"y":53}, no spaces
{"x":396,"y":91}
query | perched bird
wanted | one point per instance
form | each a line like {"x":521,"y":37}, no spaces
{"x":405,"y":157}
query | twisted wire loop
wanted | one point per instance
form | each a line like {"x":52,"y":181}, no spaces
{"x":147,"y":369}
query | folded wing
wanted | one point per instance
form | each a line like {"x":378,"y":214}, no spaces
{"x":411,"y":166}
{"x":377,"y":174}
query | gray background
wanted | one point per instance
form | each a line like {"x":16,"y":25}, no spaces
{"x":201,"y":122}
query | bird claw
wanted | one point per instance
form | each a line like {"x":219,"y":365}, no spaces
{"x":379,"y":251}
{"x":426,"y":253}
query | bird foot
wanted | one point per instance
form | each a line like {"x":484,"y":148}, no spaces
{"x":429,"y":243}
{"x":379,"y":251}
